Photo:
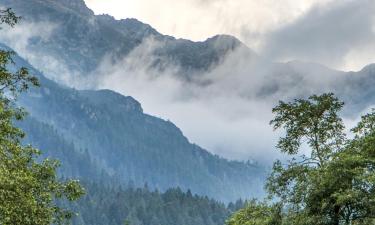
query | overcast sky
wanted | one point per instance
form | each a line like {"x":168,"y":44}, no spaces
{"x":336,"y":33}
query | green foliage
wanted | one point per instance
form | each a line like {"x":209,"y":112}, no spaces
{"x":138,"y":206}
{"x":7,"y":16}
{"x":299,"y":184}
{"x":257,"y":214}
{"x":335,"y":183}
{"x":353,"y":171}
{"x":314,"y":121}
{"x":28,"y":189}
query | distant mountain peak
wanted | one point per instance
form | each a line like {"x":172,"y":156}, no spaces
{"x":135,"y":22}
{"x":71,"y":3}
{"x":224,"y":37}
{"x":370,"y":68}
{"x":130,"y":25}
{"x":75,"y":5}
{"x":225,"y":41}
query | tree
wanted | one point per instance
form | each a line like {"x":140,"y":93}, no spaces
{"x":334,"y":182}
{"x":316,"y":123}
{"x":28,"y":188}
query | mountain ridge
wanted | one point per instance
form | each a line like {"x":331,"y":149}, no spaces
{"x":111,"y":134}
{"x":99,"y":36}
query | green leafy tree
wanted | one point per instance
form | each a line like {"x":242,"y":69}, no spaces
{"x":315,"y":123}
{"x":333,"y":183}
{"x":28,"y":188}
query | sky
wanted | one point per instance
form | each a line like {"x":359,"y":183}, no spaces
{"x":199,"y":19}
{"x":336,"y":33}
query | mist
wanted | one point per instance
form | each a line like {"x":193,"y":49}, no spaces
{"x":226,"y":109}
{"x":21,"y":39}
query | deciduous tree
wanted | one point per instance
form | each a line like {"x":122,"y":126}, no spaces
{"x":28,"y":186}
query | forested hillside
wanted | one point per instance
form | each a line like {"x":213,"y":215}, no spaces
{"x":140,"y":206}
{"x":102,"y":135}
{"x":76,"y":162}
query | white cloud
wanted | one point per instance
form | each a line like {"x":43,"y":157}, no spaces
{"x":20,"y":37}
{"x":230,"y":114}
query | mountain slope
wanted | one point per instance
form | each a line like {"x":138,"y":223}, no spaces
{"x":122,"y":142}
{"x":76,"y":163}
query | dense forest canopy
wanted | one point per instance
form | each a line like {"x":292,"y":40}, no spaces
{"x":139,"y":206}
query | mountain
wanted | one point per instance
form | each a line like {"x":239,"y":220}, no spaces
{"x":104,"y":136}
{"x":110,"y":130}
{"x":80,"y":40}
{"x":113,"y":133}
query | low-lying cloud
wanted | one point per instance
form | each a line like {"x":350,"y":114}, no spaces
{"x":23,"y":36}
{"x":225,"y":110}
{"x":214,"y":116}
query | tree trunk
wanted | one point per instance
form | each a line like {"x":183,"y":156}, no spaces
{"x":336,"y":215}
